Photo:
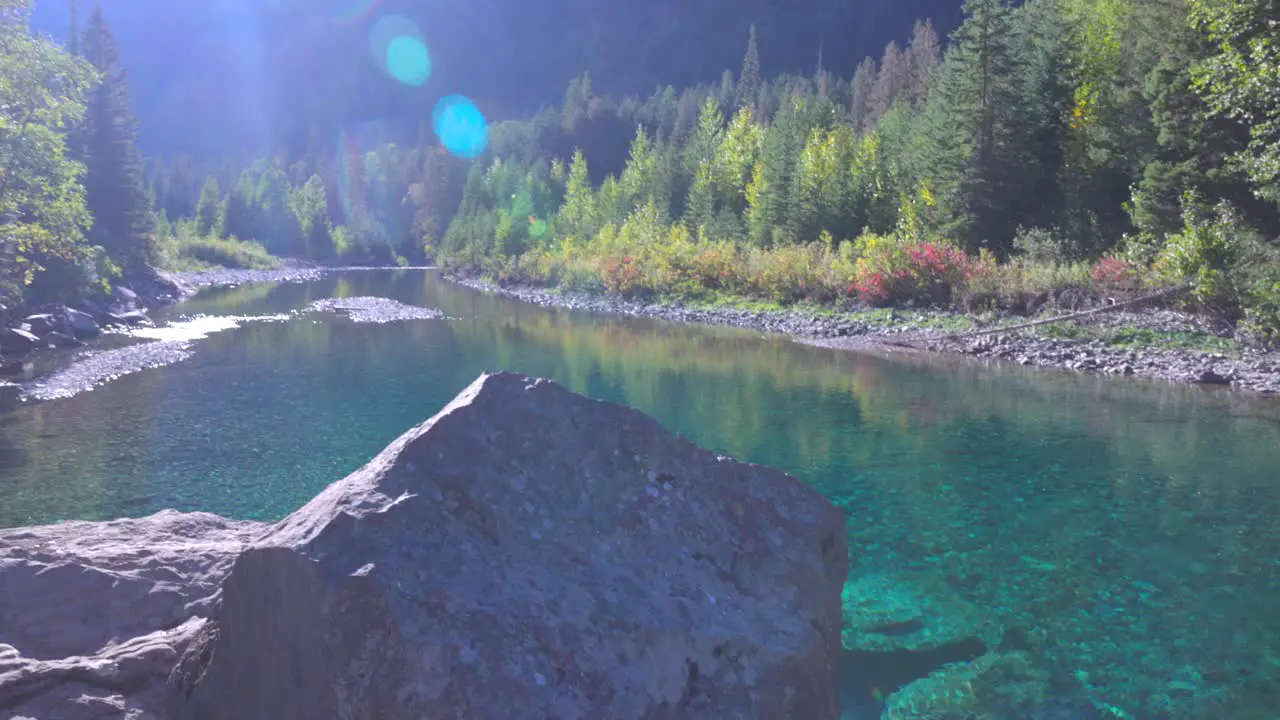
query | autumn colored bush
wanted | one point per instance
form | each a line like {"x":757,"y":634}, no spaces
{"x":625,"y":277}
{"x":1115,"y":271}
{"x":893,"y":271}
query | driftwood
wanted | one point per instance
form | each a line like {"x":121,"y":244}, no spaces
{"x":1045,"y":321}
{"x":1070,"y":316}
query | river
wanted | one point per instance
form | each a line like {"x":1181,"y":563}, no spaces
{"x":1130,"y":529}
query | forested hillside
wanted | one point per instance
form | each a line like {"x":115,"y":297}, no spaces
{"x":1111,"y":146}
{"x":74,"y":213}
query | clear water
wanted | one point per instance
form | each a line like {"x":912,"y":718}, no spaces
{"x":1131,"y":529}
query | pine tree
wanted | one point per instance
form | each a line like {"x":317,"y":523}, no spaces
{"x":924,"y":54}
{"x":749,"y":78}
{"x":864,"y":82}
{"x":577,"y":217}
{"x":891,"y":82}
{"x":207,"y":209}
{"x":1194,"y":145}
{"x":973,"y":152}
{"x":123,"y":221}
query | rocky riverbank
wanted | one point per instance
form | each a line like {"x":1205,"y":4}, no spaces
{"x":38,"y":358}
{"x":1139,"y":343}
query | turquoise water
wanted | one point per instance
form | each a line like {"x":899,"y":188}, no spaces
{"x":1130,"y":530}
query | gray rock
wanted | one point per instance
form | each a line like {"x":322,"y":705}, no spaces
{"x":10,"y":395}
{"x":374,"y":309}
{"x":93,"y":616}
{"x":123,"y":300}
{"x":72,"y":588}
{"x":102,"y":366}
{"x":42,"y":324}
{"x":531,"y":553}
{"x":17,"y":341}
{"x":62,"y":340}
{"x":125,"y":680}
{"x":81,"y":324}
{"x":134,"y":318}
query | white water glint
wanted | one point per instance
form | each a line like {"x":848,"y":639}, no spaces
{"x":202,"y":326}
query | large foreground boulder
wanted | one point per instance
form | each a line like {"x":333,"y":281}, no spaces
{"x":93,"y":616}
{"x":531,"y":553}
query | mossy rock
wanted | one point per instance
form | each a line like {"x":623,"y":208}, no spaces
{"x":914,"y":611}
{"x":992,"y":687}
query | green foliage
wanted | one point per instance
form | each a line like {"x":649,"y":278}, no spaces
{"x":1049,"y":148}
{"x":1241,"y":80}
{"x":122,"y":210}
{"x":1206,"y":252}
{"x":183,"y":247}
{"x":1262,"y":304}
{"x":42,"y":207}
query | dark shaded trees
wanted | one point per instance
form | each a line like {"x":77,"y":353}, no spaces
{"x":123,"y":223}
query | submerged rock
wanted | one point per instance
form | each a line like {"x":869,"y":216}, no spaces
{"x":899,"y":627}
{"x":995,"y":686}
{"x":531,"y":553}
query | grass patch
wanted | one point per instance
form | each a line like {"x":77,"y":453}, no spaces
{"x":185,"y":250}
{"x":1128,"y":336}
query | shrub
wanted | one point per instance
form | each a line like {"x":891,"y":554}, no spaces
{"x":1262,"y":307}
{"x":186,"y":249}
{"x":892,"y":271}
{"x":1041,"y":246}
{"x":1115,"y":271}
{"x":625,"y":277}
{"x":1207,"y":253}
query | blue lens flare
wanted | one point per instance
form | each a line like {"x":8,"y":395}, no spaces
{"x":460,"y":126}
{"x":408,"y":61}
{"x":399,"y":49}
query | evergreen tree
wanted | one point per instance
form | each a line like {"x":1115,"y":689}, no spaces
{"x":749,"y":78}
{"x":1194,"y":144}
{"x":863,"y":84}
{"x":123,"y":222}
{"x":891,"y":82}
{"x":924,"y":54}
{"x":207,"y":209}
{"x":973,"y":153}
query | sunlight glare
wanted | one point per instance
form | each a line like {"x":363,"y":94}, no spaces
{"x":460,"y":126}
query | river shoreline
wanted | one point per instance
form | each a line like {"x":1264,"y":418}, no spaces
{"x":47,"y":373}
{"x":1253,"y":371}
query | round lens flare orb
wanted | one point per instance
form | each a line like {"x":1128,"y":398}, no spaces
{"x":399,"y":49}
{"x":408,"y":61}
{"x":460,"y":126}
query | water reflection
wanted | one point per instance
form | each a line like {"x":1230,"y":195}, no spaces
{"x":1130,"y":529}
